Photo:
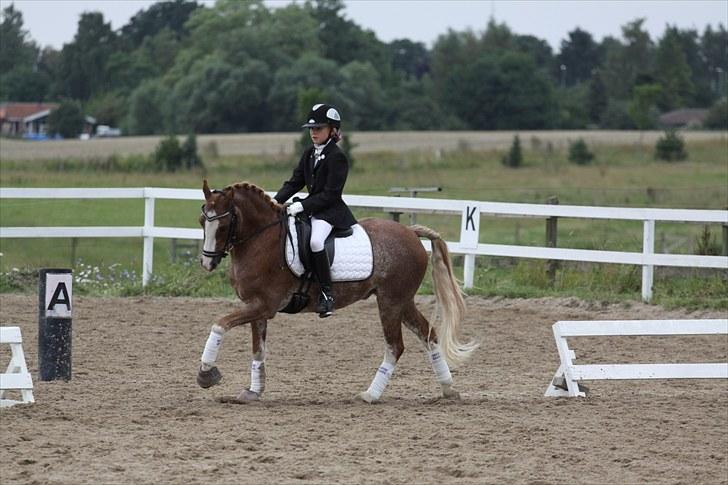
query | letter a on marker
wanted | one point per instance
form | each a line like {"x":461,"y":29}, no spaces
{"x":57,"y":300}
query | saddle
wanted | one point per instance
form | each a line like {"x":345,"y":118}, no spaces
{"x":303,"y":231}
{"x":300,"y":298}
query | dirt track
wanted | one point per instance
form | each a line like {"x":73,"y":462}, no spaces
{"x":133,"y":413}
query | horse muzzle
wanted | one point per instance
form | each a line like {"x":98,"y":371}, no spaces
{"x":210,"y":263}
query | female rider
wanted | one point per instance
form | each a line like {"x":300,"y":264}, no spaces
{"x":322,"y":168}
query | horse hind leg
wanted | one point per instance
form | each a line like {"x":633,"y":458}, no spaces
{"x":418,"y":324}
{"x":259,"y":330}
{"x":391,"y":317}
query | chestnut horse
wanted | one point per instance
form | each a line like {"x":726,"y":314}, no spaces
{"x":243,"y":220}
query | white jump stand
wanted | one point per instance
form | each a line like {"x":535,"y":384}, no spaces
{"x":568,"y":377}
{"x":16,"y":376}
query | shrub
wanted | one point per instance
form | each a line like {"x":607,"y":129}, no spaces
{"x":190,"y":157}
{"x":706,"y":243}
{"x":514,"y":157}
{"x":66,"y":120}
{"x":579,"y":153}
{"x":718,"y":116}
{"x":168,"y":154}
{"x":670,"y":147}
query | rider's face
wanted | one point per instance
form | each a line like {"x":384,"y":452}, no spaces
{"x":319,"y":134}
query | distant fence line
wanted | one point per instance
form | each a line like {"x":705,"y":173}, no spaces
{"x":468,"y":245}
{"x":367,"y":142}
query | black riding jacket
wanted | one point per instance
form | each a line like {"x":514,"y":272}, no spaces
{"x":325,"y":184}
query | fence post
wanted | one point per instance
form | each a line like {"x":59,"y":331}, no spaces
{"x":648,"y":248}
{"x":725,"y":239}
{"x":551,"y":231}
{"x":148,"y":260}
{"x":469,"y":235}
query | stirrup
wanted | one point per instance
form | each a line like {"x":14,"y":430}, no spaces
{"x":326,"y":305}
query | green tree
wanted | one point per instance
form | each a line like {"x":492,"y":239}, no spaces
{"x":714,"y":48}
{"x":718,"y":116}
{"x":168,"y":15}
{"x":670,"y":147}
{"x":673,"y":72}
{"x":537,"y":49}
{"x":188,"y":153}
{"x":20,"y":78}
{"x":83,"y":61}
{"x":514,"y":157}
{"x":147,"y":109}
{"x":625,"y":62}
{"x":500,"y":92}
{"x":412,"y":59}
{"x":218,"y":97}
{"x":643,"y":101}
{"x":597,"y":99}
{"x":17,"y":50}
{"x":167,"y":155}
{"x":361,"y":86}
{"x":308,"y":72}
{"x":67,"y":120}
{"x":342,"y":40}
{"x":579,"y":153}
{"x":580,"y":55}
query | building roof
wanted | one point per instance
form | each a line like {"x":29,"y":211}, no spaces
{"x":38,"y":115}
{"x":682,"y":117}
{"x":19,"y":111}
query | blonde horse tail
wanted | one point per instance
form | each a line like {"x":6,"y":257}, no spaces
{"x":450,"y":303}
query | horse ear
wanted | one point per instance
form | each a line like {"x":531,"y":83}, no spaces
{"x":206,"y":189}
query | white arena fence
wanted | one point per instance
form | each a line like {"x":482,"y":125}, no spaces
{"x":468,"y":210}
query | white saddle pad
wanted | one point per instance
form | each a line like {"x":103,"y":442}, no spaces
{"x":353,"y":260}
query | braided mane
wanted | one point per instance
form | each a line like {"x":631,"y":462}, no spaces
{"x":258,"y":191}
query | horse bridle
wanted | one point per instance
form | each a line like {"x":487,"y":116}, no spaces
{"x":232,"y":230}
{"x":231,"y":240}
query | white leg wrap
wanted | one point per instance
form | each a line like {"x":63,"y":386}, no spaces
{"x":439,"y":365}
{"x":212,"y":347}
{"x":257,"y":376}
{"x":381,"y":379}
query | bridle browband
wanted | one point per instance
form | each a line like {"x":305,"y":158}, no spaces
{"x":232,"y":240}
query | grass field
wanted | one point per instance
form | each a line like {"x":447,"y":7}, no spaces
{"x":623,"y":175}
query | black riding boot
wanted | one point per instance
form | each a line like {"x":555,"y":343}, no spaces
{"x":323,"y":273}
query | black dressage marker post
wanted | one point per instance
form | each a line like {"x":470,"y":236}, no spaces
{"x":54,"y":324}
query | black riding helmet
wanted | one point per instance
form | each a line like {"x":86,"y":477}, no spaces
{"x":323,"y":115}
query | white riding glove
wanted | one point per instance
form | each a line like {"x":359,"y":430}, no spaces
{"x":294,"y":209}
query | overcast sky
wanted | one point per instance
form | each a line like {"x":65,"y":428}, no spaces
{"x":53,"y":22}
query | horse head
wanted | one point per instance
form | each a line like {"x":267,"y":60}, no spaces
{"x":219,"y":222}
{"x":231,"y":217}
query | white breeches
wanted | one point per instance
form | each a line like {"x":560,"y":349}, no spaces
{"x":320,"y":230}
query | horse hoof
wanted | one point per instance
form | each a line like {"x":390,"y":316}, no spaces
{"x":246,"y":395}
{"x":365,"y":397}
{"x":451,"y":395}
{"x":208,"y":378}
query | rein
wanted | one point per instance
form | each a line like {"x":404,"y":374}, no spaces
{"x":231,"y":240}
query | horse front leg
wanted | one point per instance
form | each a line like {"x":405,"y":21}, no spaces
{"x":259,"y":329}
{"x":208,"y":374}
